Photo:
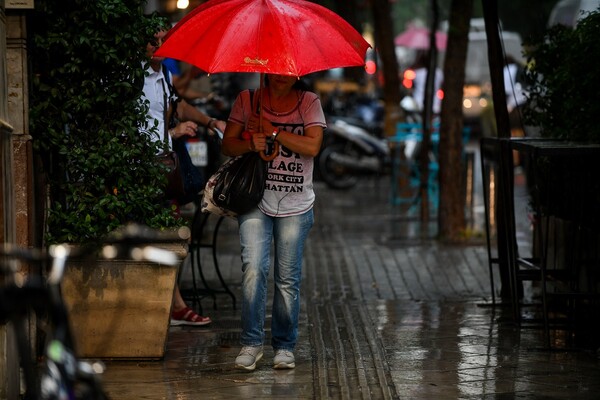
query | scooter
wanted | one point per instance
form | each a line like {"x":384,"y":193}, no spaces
{"x":354,"y":149}
{"x":350,"y":152}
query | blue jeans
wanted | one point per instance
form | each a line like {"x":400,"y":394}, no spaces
{"x":257,"y":231}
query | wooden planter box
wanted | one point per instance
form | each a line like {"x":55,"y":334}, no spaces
{"x":120,"y":308}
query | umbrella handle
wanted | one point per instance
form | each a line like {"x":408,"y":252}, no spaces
{"x":259,"y":98}
{"x":273,"y":154}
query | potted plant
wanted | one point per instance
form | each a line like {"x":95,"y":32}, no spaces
{"x":101,"y":172}
{"x":563,"y":105}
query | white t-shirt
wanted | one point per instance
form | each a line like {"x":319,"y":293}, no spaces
{"x":419,"y":88}
{"x":515,"y":94}
{"x":289,"y":188}
{"x":155,"y":87}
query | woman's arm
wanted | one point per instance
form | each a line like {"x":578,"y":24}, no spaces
{"x":308,"y":145}
{"x":234,"y":143}
{"x":188,"y":112}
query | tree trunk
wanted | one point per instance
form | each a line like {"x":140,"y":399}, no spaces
{"x":451,"y":215}
{"x":384,"y":37}
{"x":428,"y":114}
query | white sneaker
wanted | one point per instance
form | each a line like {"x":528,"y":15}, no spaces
{"x":248,"y":357}
{"x":284,"y":359}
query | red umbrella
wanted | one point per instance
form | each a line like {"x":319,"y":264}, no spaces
{"x":418,"y":38}
{"x":285,"y":37}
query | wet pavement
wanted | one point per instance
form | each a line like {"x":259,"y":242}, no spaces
{"x":387,"y":312}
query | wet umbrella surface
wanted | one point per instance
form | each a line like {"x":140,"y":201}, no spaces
{"x":285,"y":37}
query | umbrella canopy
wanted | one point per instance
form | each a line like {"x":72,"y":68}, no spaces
{"x":418,"y":38}
{"x":285,"y":37}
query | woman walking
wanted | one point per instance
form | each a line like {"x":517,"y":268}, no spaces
{"x":294,"y":118}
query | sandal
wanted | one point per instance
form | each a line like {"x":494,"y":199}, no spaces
{"x":187,"y":316}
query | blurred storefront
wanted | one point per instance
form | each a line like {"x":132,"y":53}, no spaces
{"x":8,"y":361}
{"x":16,"y":186}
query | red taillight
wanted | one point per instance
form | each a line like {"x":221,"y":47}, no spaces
{"x":440,"y":94}
{"x":408,"y":78}
{"x":370,"y":67}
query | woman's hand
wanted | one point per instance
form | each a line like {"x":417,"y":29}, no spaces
{"x":220,"y":125}
{"x":258,"y":141}
{"x":187,"y":128}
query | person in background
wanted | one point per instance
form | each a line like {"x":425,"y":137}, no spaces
{"x":293,"y":117}
{"x":420,"y":67}
{"x":155,"y":88}
{"x":516,"y":95}
{"x":182,"y":79}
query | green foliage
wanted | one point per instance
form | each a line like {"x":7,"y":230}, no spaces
{"x":565,"y":101}
{"x":85,"y":117}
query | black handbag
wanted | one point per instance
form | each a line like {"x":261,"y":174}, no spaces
{"x":175,"y":187}
{"x":193,"y":180}
{"x":184,"y":179}
{"x":240,"y":183}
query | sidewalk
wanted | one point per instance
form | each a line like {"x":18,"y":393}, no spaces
{"x":387,"y":313}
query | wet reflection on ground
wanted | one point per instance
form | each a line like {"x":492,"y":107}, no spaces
{"x":386,"y":314}
{"x":460,"y":350}
{"x":421,"y":350}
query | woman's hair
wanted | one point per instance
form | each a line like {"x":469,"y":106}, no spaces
{"x":510,"y":59}
{"x":421,"y":59}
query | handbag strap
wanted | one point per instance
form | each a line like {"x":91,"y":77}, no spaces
{"x":169,"y":104}
{"x":165,"y":120}
{"x":255,"y":104}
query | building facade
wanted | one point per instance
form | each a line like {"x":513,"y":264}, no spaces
{"x":20,"y":220}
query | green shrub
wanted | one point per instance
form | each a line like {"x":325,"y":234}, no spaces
{"x":85,"y":114}
{"x":564,"y":100}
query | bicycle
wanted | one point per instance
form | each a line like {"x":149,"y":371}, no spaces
{"x":61,"y":374}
